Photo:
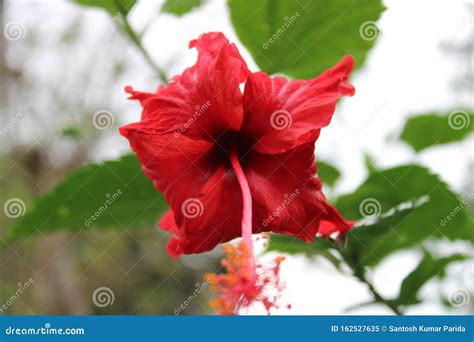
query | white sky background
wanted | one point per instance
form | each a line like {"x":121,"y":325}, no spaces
{"x":406,"y":73}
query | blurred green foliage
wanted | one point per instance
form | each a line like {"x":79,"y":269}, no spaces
{"x":396,"y":209}
{"x":440,"y":213}
{"x":114,"y":7}
{"x":426,"y":130}
{"x":304,"y":38}
{"x":428,"y":268}
{"x":111,"y":194}
{"x":328,"y":173}
{"x":180,"y":7}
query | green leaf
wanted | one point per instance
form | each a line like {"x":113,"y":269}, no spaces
{"x":370,"y":164}
{"x":428,"y":268}
{"x":433,"y":129}
{"x":292,"y":245}
{"x":303,"y":38}
{"x":180,"y":7}
{"x":114,"y":7}
{"x":372,"y":230}
{"x":111,"y":194}
{"x":364,"y":230}
{"x":437,"y":213}
{"x":328,"y":173}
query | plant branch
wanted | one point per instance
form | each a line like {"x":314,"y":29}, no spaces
{"x":378,"y":298}
{"x":130,"y":32}
{"x":360,"y":275}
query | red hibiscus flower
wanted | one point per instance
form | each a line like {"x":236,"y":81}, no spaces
{"x":233,"y":163}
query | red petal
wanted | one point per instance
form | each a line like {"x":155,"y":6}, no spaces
{"x":287,"y":195}
{"x":283,"y":115}
{"x":144,"y":99}
{"x":209,"y":46}
{"x":168,"y":223}
{"x":206,"y":99}
{"x":204,"y":196}
{"x":333,"y":224}
{"x":212,"y":217}
{"x":178,"y":166}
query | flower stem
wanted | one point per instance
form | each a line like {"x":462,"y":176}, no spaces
{"x":125,"y":26}
{"x":378,"y":298}
{"x":246,"y":201}
{"x":359,"y":273}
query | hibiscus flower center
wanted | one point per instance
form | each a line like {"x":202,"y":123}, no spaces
{"x":232,"y":142}
{"x":245,"y":282}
